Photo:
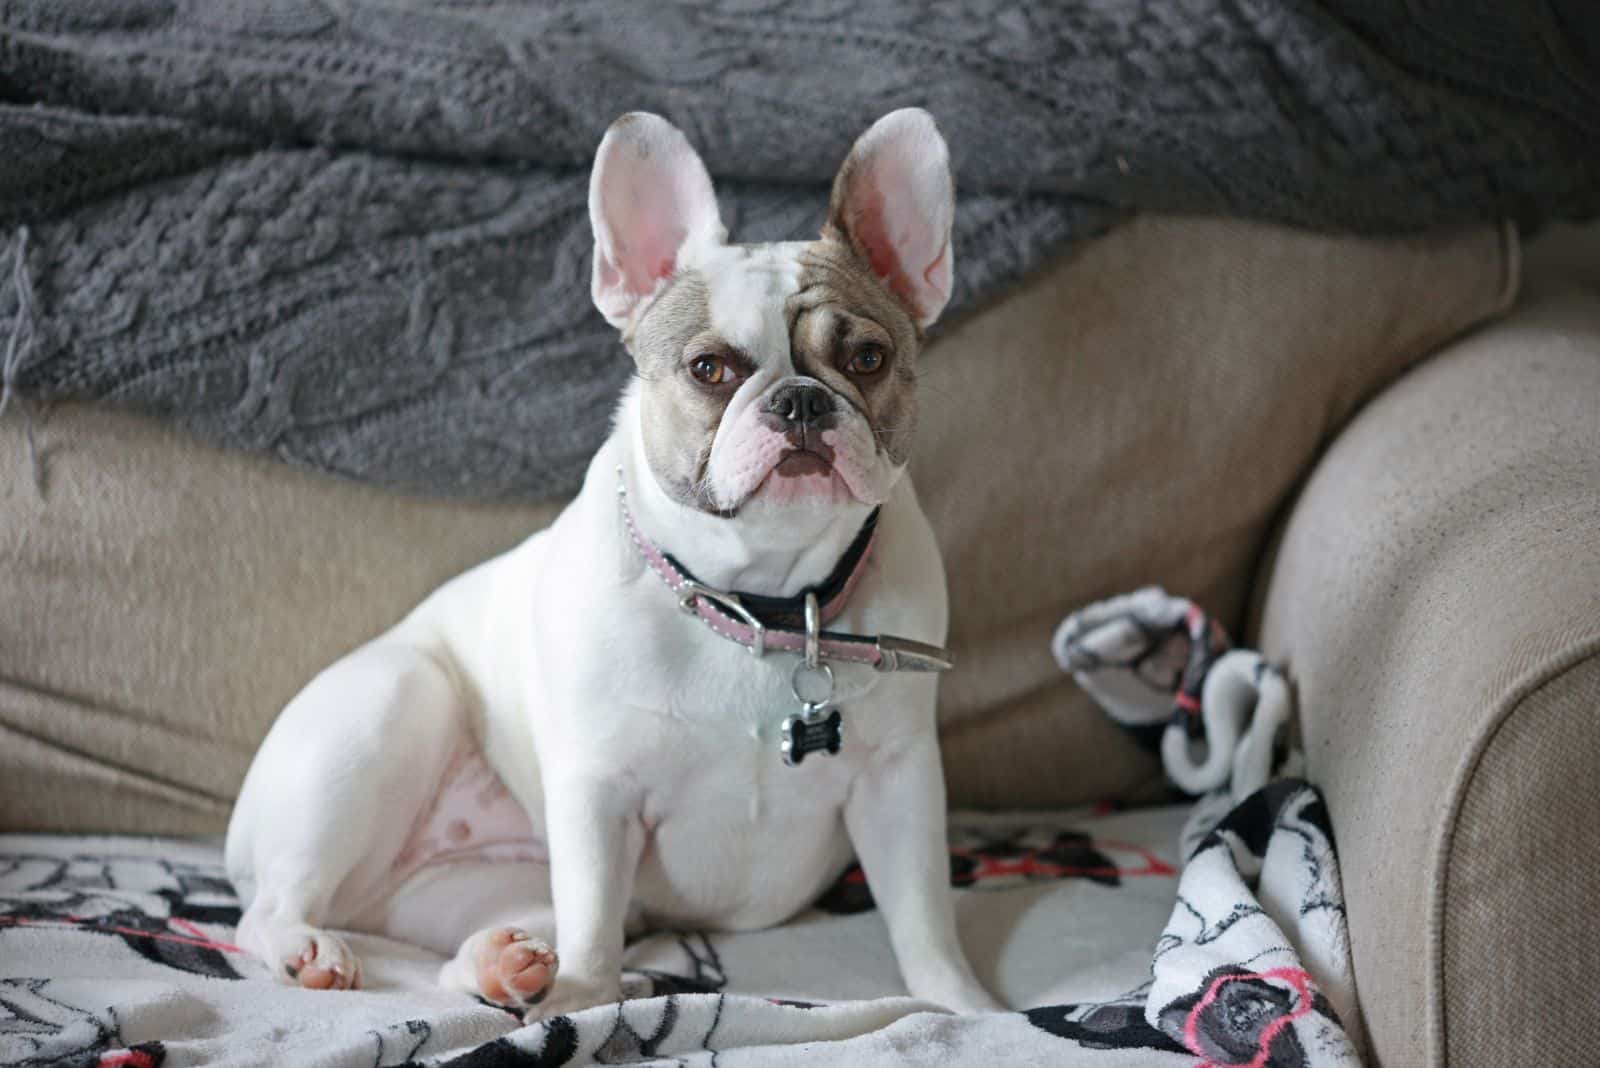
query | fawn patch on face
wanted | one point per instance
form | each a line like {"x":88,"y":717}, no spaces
{"x":679,"y":419}
{"x":838,"y":310}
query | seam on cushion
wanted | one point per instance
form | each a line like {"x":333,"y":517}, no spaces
{"x":1531,"y":681}
{"x":1351,"y":395}
{"x":163,"y":788}
{"x":1336,"y":422}
{"x":1511,"y":266}
{"x":44,"y":692}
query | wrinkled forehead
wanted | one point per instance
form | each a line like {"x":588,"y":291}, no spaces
{"x":758,"y":298}
{"x":747,"y":289}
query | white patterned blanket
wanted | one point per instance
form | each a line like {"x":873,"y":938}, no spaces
{"x":118,"y":952}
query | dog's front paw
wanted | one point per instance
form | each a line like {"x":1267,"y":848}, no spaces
{"x":574,"y":994}
{"x":318,"y":960}
{"x":513,"y":967}
{"x":505,"y":965}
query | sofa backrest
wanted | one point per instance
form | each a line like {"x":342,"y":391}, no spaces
{"x":1136,"y":413}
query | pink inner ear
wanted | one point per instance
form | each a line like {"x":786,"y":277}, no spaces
{"x":872,"y":232}
{"x":938,"y":273}
{"x":640,"y":275}
{"x":646,"y":238}
{"x":896,"y":218}
{"x":873,"y":235}
{"x":649,"y":194}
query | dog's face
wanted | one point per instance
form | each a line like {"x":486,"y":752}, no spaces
{"x":775,"y":376}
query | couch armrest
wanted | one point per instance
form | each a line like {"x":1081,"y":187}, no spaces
{"x":1436,"y":598}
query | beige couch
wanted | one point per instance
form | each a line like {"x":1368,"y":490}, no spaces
{"x":1151,"y":409}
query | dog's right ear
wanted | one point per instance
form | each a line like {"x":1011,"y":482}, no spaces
{"x":649,"y":195}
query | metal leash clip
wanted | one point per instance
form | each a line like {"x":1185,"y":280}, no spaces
{"x":818,"y":727}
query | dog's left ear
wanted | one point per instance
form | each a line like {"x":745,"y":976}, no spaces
{"x":894,"y":202}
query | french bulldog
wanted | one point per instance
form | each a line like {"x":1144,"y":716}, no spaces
{"x":593,"y":734}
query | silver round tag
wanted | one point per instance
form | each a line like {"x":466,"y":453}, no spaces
{"x":812,"y":686}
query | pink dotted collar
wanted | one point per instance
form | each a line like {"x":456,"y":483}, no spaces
{"x":765,"y":624}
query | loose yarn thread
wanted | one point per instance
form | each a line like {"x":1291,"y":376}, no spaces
{"x":24,"y":334}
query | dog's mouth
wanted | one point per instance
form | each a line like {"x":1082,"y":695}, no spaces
{"x":804,"y":472}
{"x":806,"y":455}
{"x":798,"y":463}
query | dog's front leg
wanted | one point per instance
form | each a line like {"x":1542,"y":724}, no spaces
{"x":896,"y":819}
{"x":595,"y":837}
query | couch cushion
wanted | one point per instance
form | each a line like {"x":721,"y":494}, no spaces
{"x":1519,"y":889}
{"x":164,"y":599}
{"x":1436,"y":598}
{"x":1134,"y":414}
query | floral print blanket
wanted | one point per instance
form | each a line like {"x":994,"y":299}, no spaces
{"x":1204,"y":934}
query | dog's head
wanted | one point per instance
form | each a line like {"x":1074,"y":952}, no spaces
{"x":776,"y":376}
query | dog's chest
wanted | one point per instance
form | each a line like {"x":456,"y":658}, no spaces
{"x":743,"y":840}
{"x":736,"y":837}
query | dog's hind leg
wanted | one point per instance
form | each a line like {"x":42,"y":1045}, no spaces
{"x":329,"y":801}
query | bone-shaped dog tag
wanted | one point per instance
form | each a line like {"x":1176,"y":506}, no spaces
{"x":811,"y":731}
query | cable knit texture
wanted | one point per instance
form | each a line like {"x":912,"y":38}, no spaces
{"x":353,"y":234}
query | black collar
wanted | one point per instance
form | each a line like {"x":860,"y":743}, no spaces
{"x":791,"y":611}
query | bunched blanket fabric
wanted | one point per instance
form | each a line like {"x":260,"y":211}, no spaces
{"x":353,"y":234}
{"x":118,"y":951}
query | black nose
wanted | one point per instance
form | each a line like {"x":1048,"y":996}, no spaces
{"x":800,"y":403}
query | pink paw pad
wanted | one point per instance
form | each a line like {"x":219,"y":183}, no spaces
{"x":514,"y":967}
{"x":313,"y":972}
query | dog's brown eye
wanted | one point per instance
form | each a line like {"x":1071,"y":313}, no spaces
{"x":866,"y":360}
{"x":709,"y":370}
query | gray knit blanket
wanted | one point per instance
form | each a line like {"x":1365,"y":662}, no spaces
{"x":352,"y":233}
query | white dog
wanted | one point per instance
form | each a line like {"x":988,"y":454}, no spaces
{"x":573,"y":741}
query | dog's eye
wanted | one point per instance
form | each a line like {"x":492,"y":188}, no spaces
{"x":710,"y":370}
{"x":866,"y":360}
